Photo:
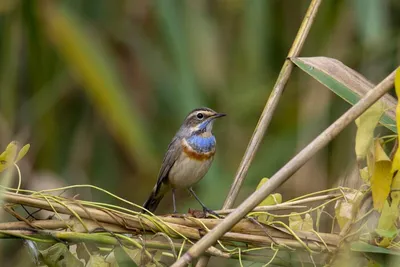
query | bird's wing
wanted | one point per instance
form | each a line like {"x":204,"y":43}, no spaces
{"x":173,"y":152}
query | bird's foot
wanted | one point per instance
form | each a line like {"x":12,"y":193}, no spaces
{"x":207,"y":210}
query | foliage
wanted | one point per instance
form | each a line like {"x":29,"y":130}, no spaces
{"x":99,"y":88}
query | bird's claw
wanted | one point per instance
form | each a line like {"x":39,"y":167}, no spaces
{"x":206,"y":210}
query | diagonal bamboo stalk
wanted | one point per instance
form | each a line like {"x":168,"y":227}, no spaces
{"x":271,"y":104}
{"x":290,"y":168}
{"x":268,"y":111}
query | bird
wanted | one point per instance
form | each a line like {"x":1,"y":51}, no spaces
{"x":188,"y":158}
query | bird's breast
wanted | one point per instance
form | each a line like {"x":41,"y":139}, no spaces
{"x":199,"y":147}
{"x":191,"y":165}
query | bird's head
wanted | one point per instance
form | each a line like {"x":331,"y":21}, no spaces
{"x":200,"y":120}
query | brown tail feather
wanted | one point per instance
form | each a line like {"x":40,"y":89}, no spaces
{"x":154,"y":199}
{"x":152,"y":202}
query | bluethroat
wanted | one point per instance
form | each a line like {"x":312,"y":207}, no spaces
{"x":188,"y":158}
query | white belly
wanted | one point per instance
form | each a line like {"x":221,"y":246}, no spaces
{"x":186,"y":171}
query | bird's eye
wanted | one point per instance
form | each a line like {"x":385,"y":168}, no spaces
{"x":200,"y":115}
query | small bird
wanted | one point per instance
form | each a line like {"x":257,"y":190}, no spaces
{"x":188,"y":158}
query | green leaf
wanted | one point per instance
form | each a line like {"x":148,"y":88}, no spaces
{"x":386,"y":233}
{"x":123,"y":258}
{"x":360,"y":246}
{"x":346,"y":83}
{"x":22,"y":152}
{"x":8,"y":156}
{"x":11,"y":155}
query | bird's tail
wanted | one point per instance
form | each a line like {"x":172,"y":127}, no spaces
{"x":154,"y":199}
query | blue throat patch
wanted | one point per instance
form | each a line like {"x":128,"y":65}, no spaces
{"x":201,"y":144}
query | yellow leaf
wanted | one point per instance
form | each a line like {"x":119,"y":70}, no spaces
{"x":366,"y":124}
{"x":345,"y":209}
{"x":396,"y":160}
{"x":263,"y":181}
{"x":343,"y":213}
{"x":308,"y":223}
{"x":385,"y":242}
{"x":270,"y":200}
{"x":22,"y":152}
{"x":8,"y":156}
{"x":396,"y":182}
{"x":381,"y":177}
{"x":388,"y":217}
{"x":11,"y":155}
{"x":296,"y":223}
{"x":397,"y":82}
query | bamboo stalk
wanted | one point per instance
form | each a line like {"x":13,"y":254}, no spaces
{"x":269,"y":110}
{"x":188,"y":227}
{"x":284,"y":173}
{"x":271,"y":104}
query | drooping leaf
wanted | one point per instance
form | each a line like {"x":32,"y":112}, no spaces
{"x":381,"y":179}
{"x":366,"y":125}
{"x":388,"y":218}
{"x":387,"y":225}
{"x":395,"y":188}
{"x":346,"y":83}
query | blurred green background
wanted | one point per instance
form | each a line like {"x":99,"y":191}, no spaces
{"x":99,"y":88}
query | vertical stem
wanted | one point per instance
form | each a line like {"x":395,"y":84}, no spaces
{"x":268,"y":111}
{"x":271,"y":104}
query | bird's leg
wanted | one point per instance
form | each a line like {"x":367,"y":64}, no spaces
{"x":205,"y":209}
{"x":173,"y":199}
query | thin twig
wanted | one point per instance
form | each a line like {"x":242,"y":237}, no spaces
{"x":290,"y":168}
{"x":285,"y":205}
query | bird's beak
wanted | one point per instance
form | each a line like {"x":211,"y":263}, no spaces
{"x":218,"y":115}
